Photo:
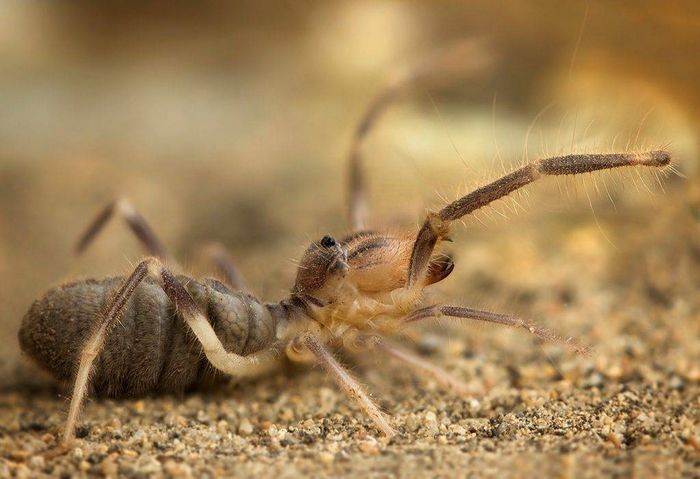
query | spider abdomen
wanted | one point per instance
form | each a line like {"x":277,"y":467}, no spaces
{"x":151,"y":349}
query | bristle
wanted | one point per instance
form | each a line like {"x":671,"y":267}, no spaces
{"x":655,"y":158}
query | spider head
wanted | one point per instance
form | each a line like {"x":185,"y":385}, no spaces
{"x":322,"y":270}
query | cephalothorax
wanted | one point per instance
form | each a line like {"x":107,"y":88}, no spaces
{"x":349,"y":292}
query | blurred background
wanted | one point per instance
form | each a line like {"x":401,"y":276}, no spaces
{"x":232,"y":121}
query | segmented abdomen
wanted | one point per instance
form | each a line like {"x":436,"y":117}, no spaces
{"x":151,"y":349}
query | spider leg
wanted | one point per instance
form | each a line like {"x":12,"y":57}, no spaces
{"x":436,"y":226}
{"x":136,"y":223}
{"x":217,"y":254}
{"x":213,"y":252}
{"x":357,"y":184}
{"x":452,"y":63}
{"x":346,"y":382}
{"x":215,"y":352}
{"x":424,"y":367}
{"x":438,"y":311}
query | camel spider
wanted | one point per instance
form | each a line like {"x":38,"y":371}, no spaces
{"x":349,"y":292}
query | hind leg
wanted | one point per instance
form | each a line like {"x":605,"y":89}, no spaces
{"x":213,"y":252}
{"x":230,"y":363}
{"x":94,"y":345}
{"x":136,"y":223}
{"x":217,"y":254}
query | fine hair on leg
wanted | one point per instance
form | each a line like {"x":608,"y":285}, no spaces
{"x":439,"y":311}
{"x":95,"y":342}
{"x":346,"y":382}
{"x":436,"y":226}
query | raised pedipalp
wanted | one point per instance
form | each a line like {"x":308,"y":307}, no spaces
{"x":436,"y":227}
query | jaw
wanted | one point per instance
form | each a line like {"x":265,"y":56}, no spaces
{"x":379,"y":264}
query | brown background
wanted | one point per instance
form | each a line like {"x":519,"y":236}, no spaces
{"x":232,"y":121}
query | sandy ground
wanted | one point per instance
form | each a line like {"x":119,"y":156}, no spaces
{"x":630,"y":408}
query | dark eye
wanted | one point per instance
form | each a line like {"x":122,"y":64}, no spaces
{"x":327,"y":242}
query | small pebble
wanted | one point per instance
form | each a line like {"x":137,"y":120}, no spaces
{"x":245,"y":428}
